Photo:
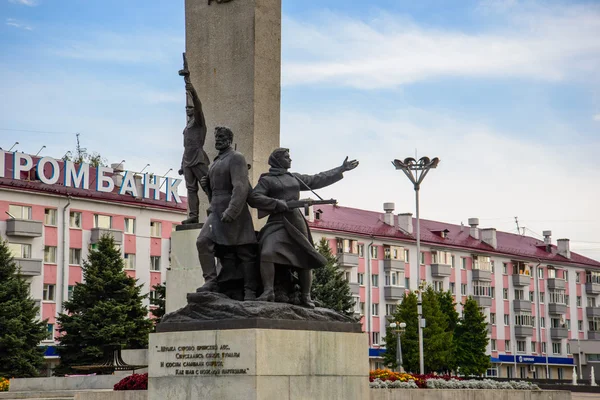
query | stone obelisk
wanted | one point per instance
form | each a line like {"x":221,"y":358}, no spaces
{"x":233,"y":49}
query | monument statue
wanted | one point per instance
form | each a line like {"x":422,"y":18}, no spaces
{"x":228,"y":232}
{"x":194,"y":163}
{"x":286,"y":240}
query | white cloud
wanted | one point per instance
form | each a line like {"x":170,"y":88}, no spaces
{"x":542,"y":43}
{"x":483,"y":172}
{"x":19,"y":25}
{"x":29,"y":3}
{"x":121,"y":48}
{"x":596,"y":117}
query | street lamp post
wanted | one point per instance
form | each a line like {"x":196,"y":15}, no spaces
{"x":401,"y":326}
{"x":416,"y":170}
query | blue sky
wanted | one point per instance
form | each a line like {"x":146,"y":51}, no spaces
{"x":505,"y":92}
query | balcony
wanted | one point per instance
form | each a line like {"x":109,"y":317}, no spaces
{"x":489,"y":328}
{"x":557,"y":308}
{"x":592,"y":312}
{"x":354,"y":287}
{"x":347,"y":260}
{"x":29,"y":266}
{"x":393,"y":292}
{"x":592,"y":288}
{"x":555,"y":283}
{"x":440,"y":270}
{"x":523,"y":331}
{"x":521,"y":280}
{"x":522,"y":305}
{"x":396,"y":265}
{"x":559,"y":333}
{"x":593,"y":335}
{"x":24,"y":227}
{"x":483,"y":301}
{"x":482,"y":275}
{"x":97,"y":233}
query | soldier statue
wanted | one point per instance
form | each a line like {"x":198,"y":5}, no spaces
{"x":194,"y":163}
{"x":286,"y":240}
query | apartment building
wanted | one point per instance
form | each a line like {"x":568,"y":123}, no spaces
{"x":51,"y":227}
{"x":540,"y":298}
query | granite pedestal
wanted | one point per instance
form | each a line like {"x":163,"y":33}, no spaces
{"x":262,"y":360}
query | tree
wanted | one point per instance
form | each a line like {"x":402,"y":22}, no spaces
{"x":82,"y":156}
{"x":472,"y":340}
{"x":436,"y":337}
{"x":160,"y":292}
{"x":407,"y":313}
{"x":20,"y":331}
{"x":329,"y":286}
{"x":448,"y":307}
{"x":105,"y":310}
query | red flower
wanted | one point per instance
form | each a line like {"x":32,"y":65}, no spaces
{"x":133,"y":382}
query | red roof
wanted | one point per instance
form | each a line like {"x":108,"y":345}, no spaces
{"x":370,"y":223}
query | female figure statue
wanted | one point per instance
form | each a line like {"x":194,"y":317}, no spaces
{"x":286,"y":240}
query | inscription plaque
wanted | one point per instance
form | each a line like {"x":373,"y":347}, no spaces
{"x":199,"y":359}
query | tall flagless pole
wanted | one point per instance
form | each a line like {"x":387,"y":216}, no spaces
{"x":420,"y":169}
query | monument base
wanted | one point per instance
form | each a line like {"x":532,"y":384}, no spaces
{"x":258,"y":364}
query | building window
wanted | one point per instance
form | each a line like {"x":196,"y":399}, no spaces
{"x":347,"y":276}
{"x":493,"y":292}
{"x":482,"y":288}
{"x":375,"y":337}
{"x":154,"y":263}
{"x":578,"y":301}
{"x":438,"y":286}
{"x":521,"y":346}
{"x":580,"y":326}
{"x":102,"y":221}
{"x":375,"y":280}
{"x":50,"y":216}
{"x":541,"y":273}
{"x":390,"y":309}
{"x":362,"y":308}
{"x":48,"y":294}
{"x":493,"y":318}
{"x":542,"y":322}
{"x":130,"y":226}
{"x":507,"y":346}
{"x":374,"y":252}
{"x":422,"y":258}
{"x":493,"y":344}
{"x":524,"y":319}
{"x":463,"y":289}
{"x":531,"y":295}
{"x":375,"y":309}
{"x":504,"y":268}
{"x":49,"y":332}
{"x":75,"y":256}
{"x":452,"y":287}
{"x":75,"y":219}
{"x":566,"y":275}
{"x":577,"y":278}
{"x":19,"y":250}
{"x":482,"y":263}
{"x":155,"y":229}
{"x":129,"y":261}
{"x":361,"y":279}
{"x":70,"y":289}
{"x":453,"y":261}
{"x":19,"y":212}
{"x":505,"y":294}
{"x":556,"y":348}
{"x":357,"y":304}
{"x":557,"y":296}
{"x":393,"y":253}
{"x":441,"y":257}
{"x":568,"y":348}
{"x":406,"y":254}
{"x":361,"y":250}
{"x":463,"y":263}
{"x":519,"y":294}
{"x":50,"y":254}
{"x":542,"y":297}
{"x":506,"y":319}
{"x":343,"y":245}
{"x":533,"y":347}
{"x":509,"y":371}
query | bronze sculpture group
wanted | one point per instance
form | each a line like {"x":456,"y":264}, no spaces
{"x":276,"y":264}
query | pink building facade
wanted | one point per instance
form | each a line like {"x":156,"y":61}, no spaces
{"x":50,"y":229}
{"x":541,"y":299}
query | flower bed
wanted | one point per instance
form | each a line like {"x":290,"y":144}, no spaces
{"x":133,"y":382}
{"x":386,"y":379}
{"x":4,"y":384}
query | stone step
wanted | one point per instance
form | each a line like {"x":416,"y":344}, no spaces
{"x":45,"y":395}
